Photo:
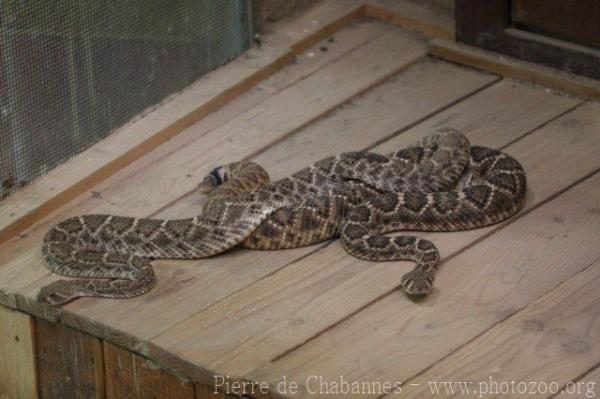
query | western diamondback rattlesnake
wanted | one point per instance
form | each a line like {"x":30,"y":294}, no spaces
{"x":441,"y":184}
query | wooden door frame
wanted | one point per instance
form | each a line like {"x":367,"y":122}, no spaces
{"x":487,"y":24}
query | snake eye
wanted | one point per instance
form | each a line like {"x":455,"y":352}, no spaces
{"x":217,"y":175}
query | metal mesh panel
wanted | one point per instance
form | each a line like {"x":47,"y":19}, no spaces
{"x":71,"y":71}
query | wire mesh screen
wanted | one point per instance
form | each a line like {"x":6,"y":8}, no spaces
{"x":71,"y":71}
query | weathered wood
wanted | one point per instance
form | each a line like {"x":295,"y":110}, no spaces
{"x":292,"y":305}
{"x":424,"y":17}
{"x":559,"y":331}
{"x":17,"y":355}
{"x":140,"y":136}
{"x":481,"y":285}
{"x":131,"y":376}
{"x":69,"y":362}
{"x":507,"y":66}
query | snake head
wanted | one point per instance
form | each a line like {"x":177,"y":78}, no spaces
{"x":58,"y":293}
{"x":417,"y":283}
{"x":215,"y":178}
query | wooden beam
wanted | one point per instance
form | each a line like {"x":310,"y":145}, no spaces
{"x":507,"y":66}
{"x":17,"y":355}
{"x":69,"y":362}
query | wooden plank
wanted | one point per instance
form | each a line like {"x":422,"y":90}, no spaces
{"x":552,"y":341}
{"x":238,"y":138}
{"x":286,"y":308}
{"x":140,"y":136}
{"x":69,"y":362}
{"x":199,"y":283}
{"x":423,"y":16}
{"x":507,"y":66}
{"x":480,"y":285}
{"x":17,"y":355}
{"x":131,"y":376}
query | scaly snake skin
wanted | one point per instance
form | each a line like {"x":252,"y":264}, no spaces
{"x":441,"y":184}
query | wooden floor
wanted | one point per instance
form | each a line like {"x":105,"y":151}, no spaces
{"x":513,"y":302}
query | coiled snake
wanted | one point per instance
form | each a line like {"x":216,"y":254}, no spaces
{"x":441,"y":184}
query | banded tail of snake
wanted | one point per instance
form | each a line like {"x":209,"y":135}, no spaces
{"x":441,"y":184}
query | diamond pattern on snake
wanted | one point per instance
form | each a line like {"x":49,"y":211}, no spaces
{"x":442,"y":183}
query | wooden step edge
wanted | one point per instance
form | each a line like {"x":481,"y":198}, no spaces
{"x":48,"y":193}
{"x":515,"y":68}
